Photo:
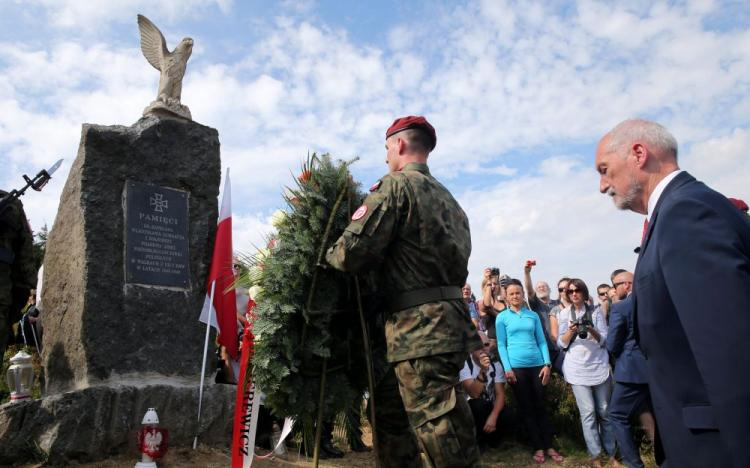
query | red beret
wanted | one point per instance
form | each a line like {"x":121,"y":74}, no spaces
{"x":740,"y":204}
{"x":413,"y":121}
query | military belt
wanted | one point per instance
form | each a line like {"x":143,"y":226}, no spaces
{"x":423,"y":296}
{"x":6,"y":256}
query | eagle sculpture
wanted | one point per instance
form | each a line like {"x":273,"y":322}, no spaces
{"x":170,"y":64}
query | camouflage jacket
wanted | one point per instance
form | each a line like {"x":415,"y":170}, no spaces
{"x":17,"y":266}
{"x":414,"y":233}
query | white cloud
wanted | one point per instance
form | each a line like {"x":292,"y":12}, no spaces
{"x":49,"y":94}
{"x":499,"y":81}
{"x":85,"y":15}
{"x":475,"y":169}
{"x":250,"y":232}
{"x":723,"y":163}
{"x":557,"y":218}
{"x":298,"y":6}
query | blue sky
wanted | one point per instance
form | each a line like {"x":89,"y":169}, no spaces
{"x":519,"y":93}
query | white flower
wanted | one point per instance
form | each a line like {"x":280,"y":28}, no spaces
{"x":277,"y":218}
{"x":263,"y":253}
{"x":255,"y":291}
{"x":254,"y":273}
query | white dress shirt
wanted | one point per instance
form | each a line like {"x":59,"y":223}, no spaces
{"x":653,"y":199}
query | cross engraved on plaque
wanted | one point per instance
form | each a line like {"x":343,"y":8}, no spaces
{"x":158,"y":202}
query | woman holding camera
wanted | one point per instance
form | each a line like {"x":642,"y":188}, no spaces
{"x":582,"y":332}
{"x":493,"y":300}
{"x":525,"y":357}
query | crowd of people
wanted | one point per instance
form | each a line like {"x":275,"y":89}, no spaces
{"x":453,"y":366}
{"x":528,"y":335}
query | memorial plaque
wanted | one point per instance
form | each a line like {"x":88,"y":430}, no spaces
{"x":156,"y":236}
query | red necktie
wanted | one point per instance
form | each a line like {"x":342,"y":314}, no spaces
{"x":645,"y":230}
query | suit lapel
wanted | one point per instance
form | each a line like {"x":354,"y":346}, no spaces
{"x":681,"y":179}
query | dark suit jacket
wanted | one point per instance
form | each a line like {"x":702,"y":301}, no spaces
{"x":692,"y":296}
{"x":630,"y":364}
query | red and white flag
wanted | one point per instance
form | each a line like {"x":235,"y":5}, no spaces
{"x":223,"y":311}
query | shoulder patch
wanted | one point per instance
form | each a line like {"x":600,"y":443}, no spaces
{"x":360,"y":213}
{"x":376,"y":185}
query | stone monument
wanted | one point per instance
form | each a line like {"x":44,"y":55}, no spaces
{"x":124,"y":283}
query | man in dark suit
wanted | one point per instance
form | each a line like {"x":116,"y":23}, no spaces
{"x":630,"y":393}
{"x":691,"y":295}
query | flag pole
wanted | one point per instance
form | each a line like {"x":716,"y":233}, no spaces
{"x":203,"y":367}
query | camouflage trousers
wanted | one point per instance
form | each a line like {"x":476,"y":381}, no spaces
{"x":397,"y":445}
{"x":437,"y":409}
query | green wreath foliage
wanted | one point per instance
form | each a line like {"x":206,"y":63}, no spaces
{"x":306,"y":311}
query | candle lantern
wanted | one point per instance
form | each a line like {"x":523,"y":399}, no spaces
{"x":20,"y":377}
{"x":152,"y":440}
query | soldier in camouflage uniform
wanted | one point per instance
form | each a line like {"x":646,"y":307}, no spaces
{"x":414,"y":233}
{"x":17,"y":268}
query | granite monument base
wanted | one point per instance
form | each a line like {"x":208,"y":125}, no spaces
{"x":98,"y":422}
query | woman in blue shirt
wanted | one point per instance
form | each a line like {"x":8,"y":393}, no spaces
{"x":525,"y":357}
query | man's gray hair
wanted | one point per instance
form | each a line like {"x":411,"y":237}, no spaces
{"x":651,"y":133}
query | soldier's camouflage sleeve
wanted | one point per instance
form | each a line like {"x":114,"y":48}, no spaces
{"x":365,"y":240}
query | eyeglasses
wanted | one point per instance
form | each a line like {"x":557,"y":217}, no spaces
{"x":560,"y":289}
{"x":602,"y":294}
{"x":622,"y":282}
{"x":573,"y":291}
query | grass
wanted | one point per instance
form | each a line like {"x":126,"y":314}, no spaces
{"x":514,"y":454}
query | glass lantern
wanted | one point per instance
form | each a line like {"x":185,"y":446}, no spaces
{"x":20,"y":377}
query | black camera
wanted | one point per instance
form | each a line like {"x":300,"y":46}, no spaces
{"x":494,"y":271}
{"x":583,"y":327}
